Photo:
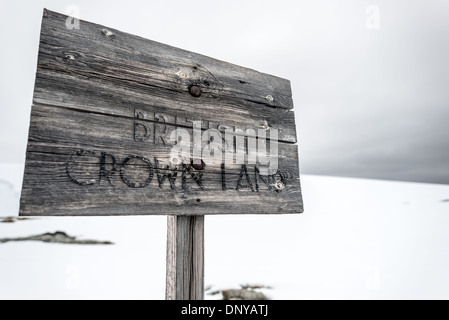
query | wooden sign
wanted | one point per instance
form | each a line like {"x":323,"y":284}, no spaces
{"x":121,"y":125}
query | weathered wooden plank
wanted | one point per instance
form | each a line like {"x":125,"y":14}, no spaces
{"x":118,"y":99}
{"x":48,"y":190}
{"x":179,"y":67}
{"x":47,"y":177}
{"x":52,"y":193}
{"x":74,"y":129}
{"x":104,"y":107}
{"x":172,"y":236}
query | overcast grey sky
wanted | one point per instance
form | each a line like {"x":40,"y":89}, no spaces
{"x":369,"y":78}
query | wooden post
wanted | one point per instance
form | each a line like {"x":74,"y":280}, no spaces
{"x":185,"y":258}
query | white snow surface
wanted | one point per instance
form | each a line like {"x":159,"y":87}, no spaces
{"x":357,"y":239}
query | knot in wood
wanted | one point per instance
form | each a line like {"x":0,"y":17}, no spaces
{"x":175,"y":160}
{"x":265,"y":125}
{"x":107,"y":33}
{"x":278,"y":185}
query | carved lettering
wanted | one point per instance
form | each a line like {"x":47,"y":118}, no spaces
{"x":258,"y":176}
{"x":87,"y":167}
{"x":223,"y":177}
{"x":83,"y":177}
{"x":197,"y":177}
{"x":244,"y":173}
{"x":142,"y":130}
{"x":104,"y":171}
{"x":210,"y":142}
{"x":271,"y":181}
{"x":160,"y":130}
{"x":128,"y":181}
{"x":169,"y":174}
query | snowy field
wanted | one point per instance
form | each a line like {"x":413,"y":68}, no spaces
{"x":357,"y":239}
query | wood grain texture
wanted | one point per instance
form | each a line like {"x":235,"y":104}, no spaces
{"x":185,"y":258}
{"x":104,"y":107}
{"x":172,"y":236}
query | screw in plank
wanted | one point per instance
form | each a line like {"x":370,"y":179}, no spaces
{"x":198,"y":166}
{"x":195,"y":91}
{"x":269,"y":98}
{"x":70,"y":57}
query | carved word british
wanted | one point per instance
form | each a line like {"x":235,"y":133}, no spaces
{"x":208,"y":142}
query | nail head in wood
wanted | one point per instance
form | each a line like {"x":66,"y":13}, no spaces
{"x":198,"y":166}
{"x":195,"y":91}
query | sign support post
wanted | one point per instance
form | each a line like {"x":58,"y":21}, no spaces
{"x":185,"y":258}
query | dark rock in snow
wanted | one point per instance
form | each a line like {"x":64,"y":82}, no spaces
{"x":242,"y":294}
{"x":56,"y":237}
{"x":12,"y":219}
{"x":247,"y":292}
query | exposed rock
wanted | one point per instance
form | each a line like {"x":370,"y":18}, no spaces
{"x":56,"y":237}
{"x":242,"y":294}
{"x":247,"y":292}
{"x":12,"y":219}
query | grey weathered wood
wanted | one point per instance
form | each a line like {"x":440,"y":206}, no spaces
{"x":123,"y":70}
{"x":95,"y":85}
{"x":185,"y":258}
{"x":170,"y":287}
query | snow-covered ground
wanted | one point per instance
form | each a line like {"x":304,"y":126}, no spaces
{"x":358,"y":239}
